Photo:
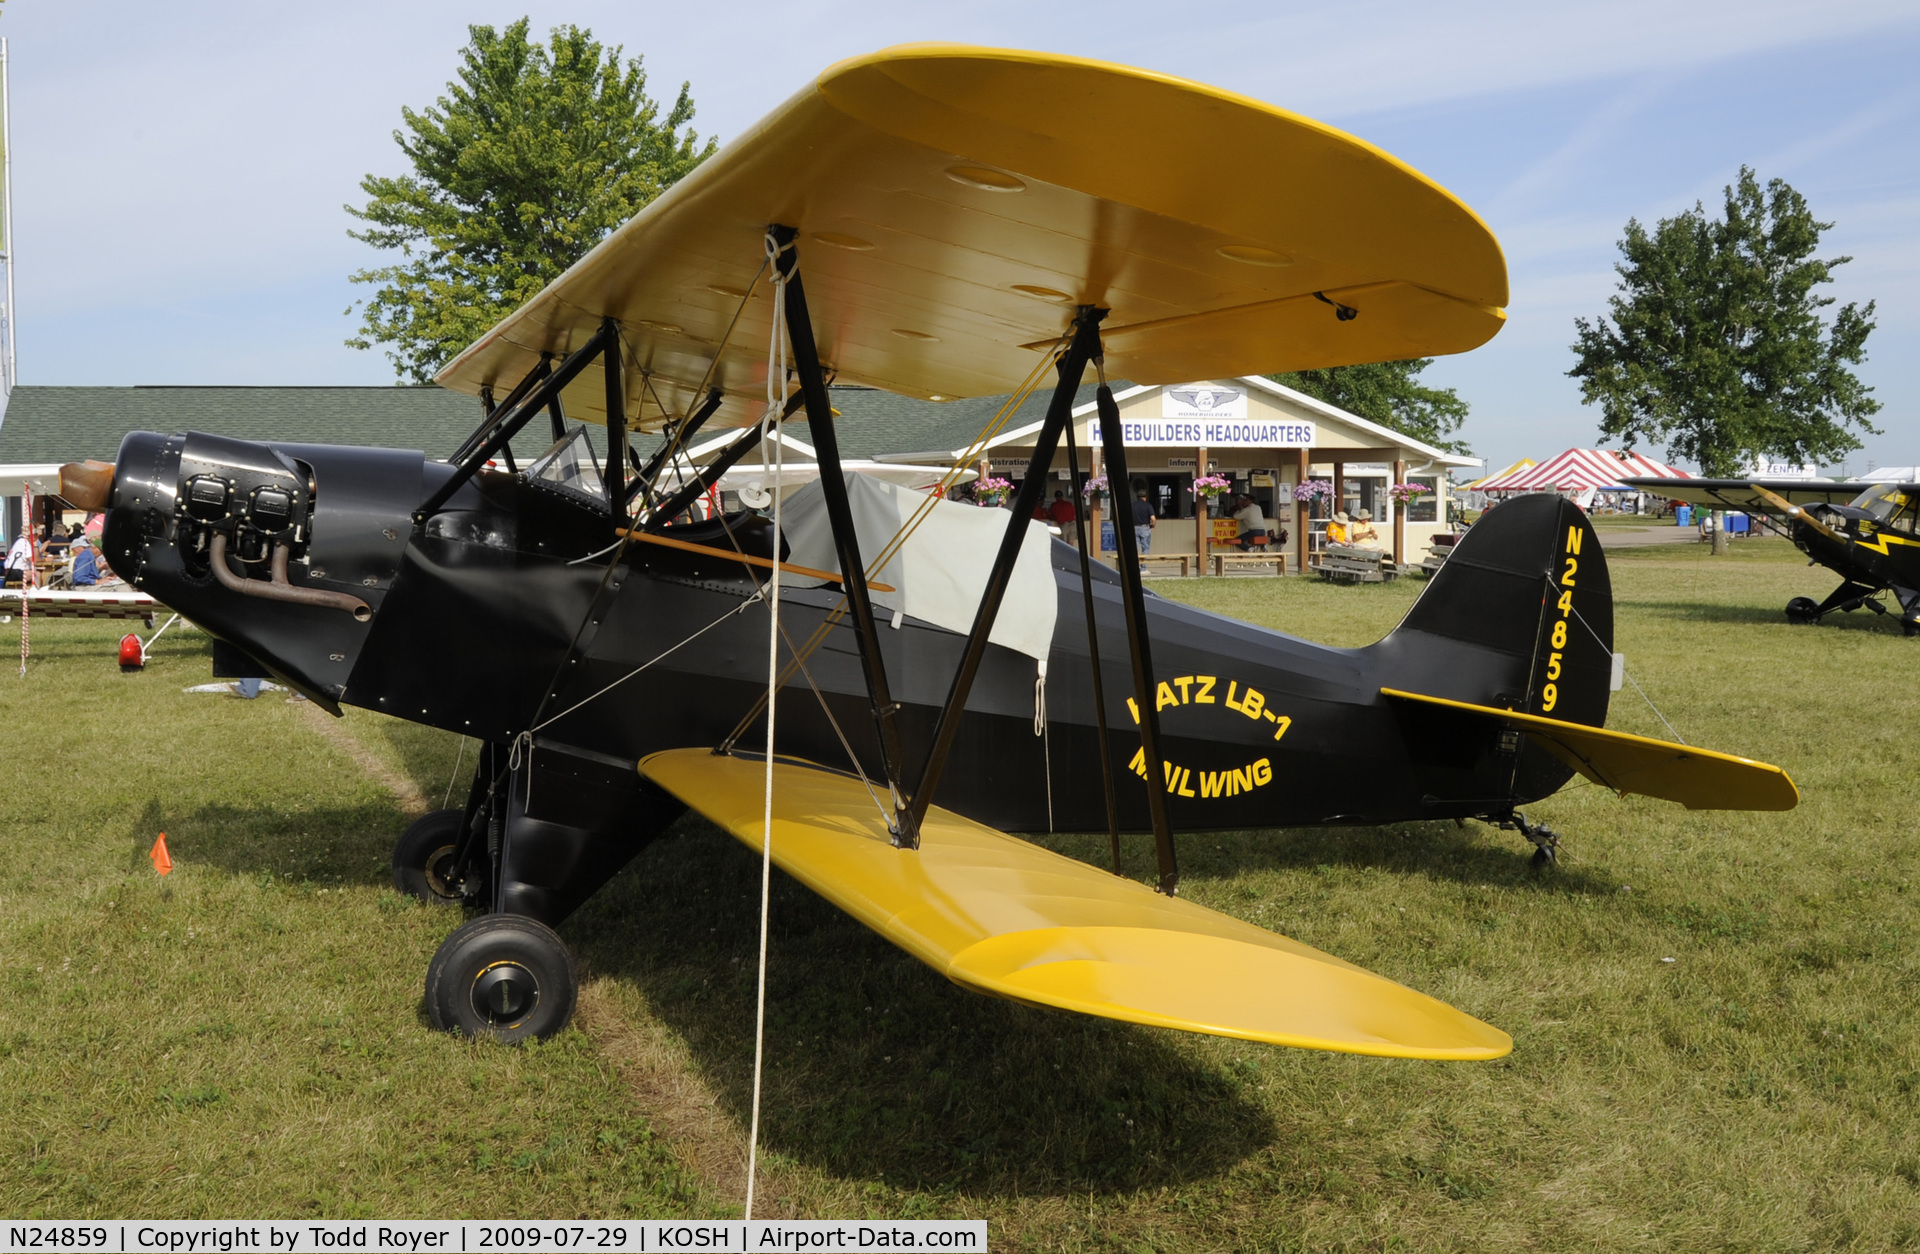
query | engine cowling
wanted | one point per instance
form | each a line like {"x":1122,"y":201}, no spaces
{"x":285,"y":551}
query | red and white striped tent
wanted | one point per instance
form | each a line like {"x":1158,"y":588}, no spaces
{"x":1583,"y":469}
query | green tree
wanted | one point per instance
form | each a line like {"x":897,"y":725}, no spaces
{"x":1717,"y":348}
{"x":1389,"y":393}
{"x":535,"y":153}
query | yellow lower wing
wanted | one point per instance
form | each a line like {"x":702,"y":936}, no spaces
{"x":999,"y":915}
{"x":1698,"y":779}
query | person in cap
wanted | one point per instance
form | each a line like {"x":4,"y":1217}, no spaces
{"x":1337,"y":529}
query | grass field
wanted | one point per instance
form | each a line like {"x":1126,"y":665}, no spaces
{"x":1715,"y":1015}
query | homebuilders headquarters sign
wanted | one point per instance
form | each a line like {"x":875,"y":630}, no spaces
{"x":1204,"y":416}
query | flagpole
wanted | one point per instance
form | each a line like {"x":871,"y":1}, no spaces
{"x":6,"y":204}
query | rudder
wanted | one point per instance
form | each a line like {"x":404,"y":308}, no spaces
{"x":1520,"y":617}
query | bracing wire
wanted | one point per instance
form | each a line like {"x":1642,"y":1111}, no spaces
{"x":921,"y":512}
{"x":1627,"y":675}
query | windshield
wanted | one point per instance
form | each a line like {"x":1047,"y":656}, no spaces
{"x":571,"y":466}
{"x":1891,"y":505}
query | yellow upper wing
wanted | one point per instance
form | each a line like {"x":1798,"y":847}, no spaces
{"x":1698,"y":779}
{"x":955,"y":203}
{"x":1000,"y":915}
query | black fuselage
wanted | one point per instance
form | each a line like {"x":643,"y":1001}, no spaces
{"x":494,"y":619}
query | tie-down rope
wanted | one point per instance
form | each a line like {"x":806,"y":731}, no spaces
{"x":776,"y":387}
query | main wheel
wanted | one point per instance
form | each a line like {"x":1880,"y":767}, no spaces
{"x":503,"y":976}
{"x":1802,"y":610}
{"x":423,"y":858}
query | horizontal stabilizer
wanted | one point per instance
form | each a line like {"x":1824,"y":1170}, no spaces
{"x":1002,"y":916}
{"x":1698,"y":779}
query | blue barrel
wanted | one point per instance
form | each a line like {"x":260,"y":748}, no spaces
{"x":1683,"y":515}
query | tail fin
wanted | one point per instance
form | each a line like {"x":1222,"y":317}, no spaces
{"x":1520,"y":617}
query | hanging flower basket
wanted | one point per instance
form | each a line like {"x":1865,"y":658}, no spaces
{"x":1211,"y":486}
{"x":990,"y":491}
{"x":1095,"y":486}
{"x":1314,"y":490}
{"x":1404,"y":492}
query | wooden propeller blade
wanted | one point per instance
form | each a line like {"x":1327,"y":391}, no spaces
{"x":648,"y":537}
{"x":87,"y":485}
{"x":1793,"y":511}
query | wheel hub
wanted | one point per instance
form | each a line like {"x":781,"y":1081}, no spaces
{"x":439,"y":872}
{"x":505,"y":993}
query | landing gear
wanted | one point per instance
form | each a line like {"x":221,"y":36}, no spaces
{"x":424,"y":863}
{"x":1546,"y":841}
{"x":502,"y":976}
{"x":1803,"y":610}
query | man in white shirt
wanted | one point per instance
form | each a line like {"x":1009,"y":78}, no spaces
{"x":19,"y":558}
{"x":1252,"y":522}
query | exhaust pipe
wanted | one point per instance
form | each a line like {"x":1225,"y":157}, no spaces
{"x":278,"y":589}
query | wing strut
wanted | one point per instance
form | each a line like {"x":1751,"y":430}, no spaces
{"x":674,"y":441}
{"x":1079,"y":490}
{"x":496,"y":412}
{"x":698,"y":486}
{"x":532,"y":403}
{"x":1084,"y":348}
{"x":1071,"y":366}
{"x":616,"y":471}
{"x":833,"y":485}
{"x":1133,"y":599}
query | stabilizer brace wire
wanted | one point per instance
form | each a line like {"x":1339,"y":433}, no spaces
{"x":1624,"y":672}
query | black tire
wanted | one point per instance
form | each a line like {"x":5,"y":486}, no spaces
{"x":1802,"y":610}
{"x":423,"y":858}
{"x":502,"y":976}
{"x":1543,"y":857}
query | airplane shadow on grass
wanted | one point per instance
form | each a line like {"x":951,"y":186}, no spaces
{"x":327,"y":845}
{"x":1474,"y":854}
{"x":879,"y":1069}
{"x":1775,"y":616}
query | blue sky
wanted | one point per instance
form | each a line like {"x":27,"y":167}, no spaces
{"x":179,"y":170}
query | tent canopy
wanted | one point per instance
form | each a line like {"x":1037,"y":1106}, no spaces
{"x":1580,"y":469}
{"x":1480,"y":484}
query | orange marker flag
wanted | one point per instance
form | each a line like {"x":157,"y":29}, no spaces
{"x":162,"y":860}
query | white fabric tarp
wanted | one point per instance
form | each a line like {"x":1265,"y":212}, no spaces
{"x":942,"y":569}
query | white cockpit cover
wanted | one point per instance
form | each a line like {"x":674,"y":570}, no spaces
{"x":942,"y":568}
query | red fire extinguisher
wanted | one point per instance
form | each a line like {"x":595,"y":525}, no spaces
{"x":133,"y":655}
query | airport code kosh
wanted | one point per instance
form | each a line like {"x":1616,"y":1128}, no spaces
{"x":806,"y":1236}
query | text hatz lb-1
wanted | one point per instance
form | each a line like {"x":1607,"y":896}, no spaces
{"x":1869,"y":536}
{"x":938,"y":221}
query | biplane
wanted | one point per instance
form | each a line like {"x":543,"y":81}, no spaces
{"x":1869,"y":536}
{"x":940,"y":221}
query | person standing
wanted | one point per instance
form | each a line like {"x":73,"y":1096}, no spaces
{"x":1063,"y":516}
{"x":1143,"y":521}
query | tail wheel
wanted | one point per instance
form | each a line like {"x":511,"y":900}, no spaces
{"x":503,"y":976}
{"x":423,"y":858}
{"x":1802,"y":610}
